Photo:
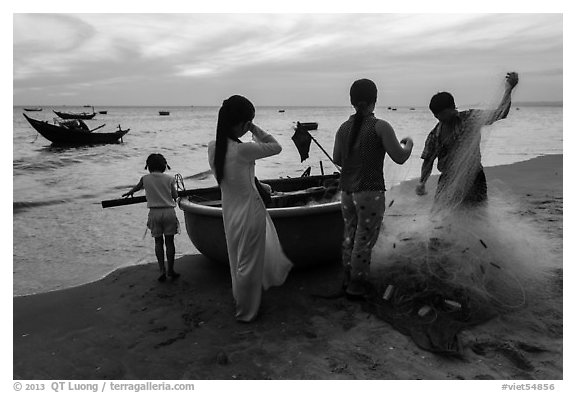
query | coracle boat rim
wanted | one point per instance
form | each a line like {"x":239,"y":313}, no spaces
{"x":193,"y":207}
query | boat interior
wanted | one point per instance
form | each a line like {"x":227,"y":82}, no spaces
{"x":286,"y":192}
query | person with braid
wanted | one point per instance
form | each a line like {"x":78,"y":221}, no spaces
{"x":360,"y":146}
{"x":161,"y":196}
{"x":254,"y":252}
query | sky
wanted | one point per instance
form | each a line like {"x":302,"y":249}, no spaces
{"x":281,"y":59}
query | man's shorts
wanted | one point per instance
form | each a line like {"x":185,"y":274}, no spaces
{"x":476,"y":193}
{"x":163,"y":221}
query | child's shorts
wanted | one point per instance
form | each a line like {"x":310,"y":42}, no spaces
{"x":163,"y":221}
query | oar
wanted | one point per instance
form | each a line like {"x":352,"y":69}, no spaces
{"x":325,"y":152}
{"x":303,"y":146}
{"x":97,"y":128}
{"x":123,"y":201}
{"x":138,"y":199}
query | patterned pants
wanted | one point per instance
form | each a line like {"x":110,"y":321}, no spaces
{"x":362,"y":213}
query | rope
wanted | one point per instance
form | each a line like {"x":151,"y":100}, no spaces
{"x":181,"y":187}
{"x":179,"y":182}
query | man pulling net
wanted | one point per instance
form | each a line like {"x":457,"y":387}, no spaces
{"x":455,"y":142}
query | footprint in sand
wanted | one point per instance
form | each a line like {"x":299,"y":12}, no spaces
{"x":510,"y":351}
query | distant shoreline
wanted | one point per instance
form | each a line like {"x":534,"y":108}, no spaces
{"x":514,"y":104}
{"x":539,"y":103}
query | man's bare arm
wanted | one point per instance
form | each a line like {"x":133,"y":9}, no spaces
{"x":501,"y":112}
{"x":425,"y":172}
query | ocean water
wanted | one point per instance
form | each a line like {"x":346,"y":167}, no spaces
{"x":62,"y":237}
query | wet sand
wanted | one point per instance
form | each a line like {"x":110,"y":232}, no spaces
{"x":129,"y":326}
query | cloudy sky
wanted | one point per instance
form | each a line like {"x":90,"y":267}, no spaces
{"x":281,"y":59}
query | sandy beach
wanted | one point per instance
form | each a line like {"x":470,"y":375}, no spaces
{"x":129,"y":326}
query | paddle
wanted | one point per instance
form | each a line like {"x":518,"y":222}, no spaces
{"x":206,"y":194}
{"x":138,"y":199}
{"x":97,"y":128}
{"x":199,"y":193}
{"x":327,"y":155}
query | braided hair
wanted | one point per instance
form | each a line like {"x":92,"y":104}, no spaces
{"x":363,"y":93}
{"x":234,"y":110}
{"x":156,"y":163}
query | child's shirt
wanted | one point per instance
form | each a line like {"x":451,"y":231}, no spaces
{"x":160,"y":190}
{"x":363,"y":167}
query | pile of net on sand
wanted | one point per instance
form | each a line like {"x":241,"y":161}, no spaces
{"x":436,"y":274}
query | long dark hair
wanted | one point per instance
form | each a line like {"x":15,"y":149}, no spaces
{"x":363,"y":93}
{"x":234,"y":110}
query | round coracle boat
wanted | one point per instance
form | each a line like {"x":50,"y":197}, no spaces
{"x":305,"y":211}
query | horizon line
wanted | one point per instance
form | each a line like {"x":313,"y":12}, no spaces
{"x":519,"y":103}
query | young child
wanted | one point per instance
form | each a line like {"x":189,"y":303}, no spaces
{"x":161,"y":195}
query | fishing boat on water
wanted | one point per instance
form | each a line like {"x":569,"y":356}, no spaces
{"x":103,"y":112}
{"x":74,"y":132}
{"x":37,"y":109}
{"x":163,"y":113}
{"x":305,"y":211}
{"x":73,"y":115}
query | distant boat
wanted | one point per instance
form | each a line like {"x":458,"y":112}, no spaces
{"x":163,"y":113}
{"x":73,"y":115}
{"x":74,"y":133}
{"x":281,"y":111}
{"x":412,"y":109}
{"x":33,"y":109}
{"x":87,"y":106}
{"x":393,"y":109}
{"x":103,"y":112}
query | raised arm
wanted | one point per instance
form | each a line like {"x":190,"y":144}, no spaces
{"x":399,"y":152}
{"x":266,"y":145}
{"x":501,"y":112}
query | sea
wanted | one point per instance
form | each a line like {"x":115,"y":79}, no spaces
{"x":62,"y":237}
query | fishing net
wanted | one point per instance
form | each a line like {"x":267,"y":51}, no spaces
{"x":437,"y":273}
{"x":456,"y":185}
{"x":441,"y":265}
